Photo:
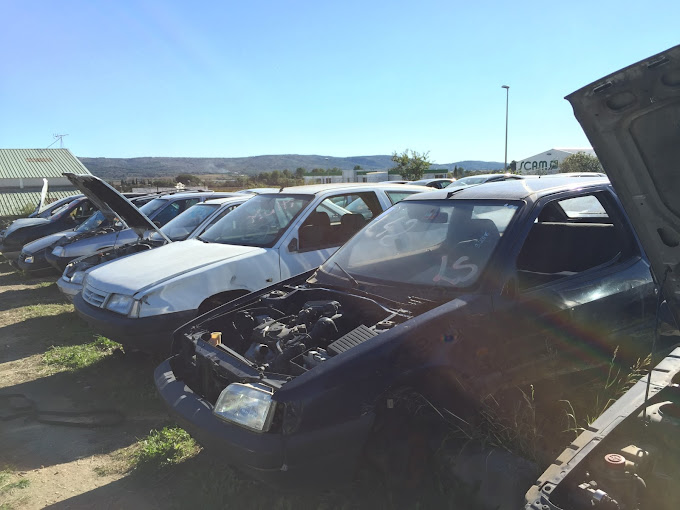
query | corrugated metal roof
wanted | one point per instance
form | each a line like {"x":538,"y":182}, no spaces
{"x":11,"y":204}
{"x":38,"y":163}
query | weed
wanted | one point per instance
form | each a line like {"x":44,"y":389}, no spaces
{"x":170,"y":445}
{"x":74,"y":357}
{"x":604,"y":395}
{"x":7,"y":486}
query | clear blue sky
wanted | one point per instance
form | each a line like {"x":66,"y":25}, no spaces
{"x":350,"y":78}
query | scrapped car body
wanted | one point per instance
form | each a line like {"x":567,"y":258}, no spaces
{"x":33,"y":256}
{"x":453,"y":295}
{"x":25,"y":230}
{"x":188,"y":225}
{"x":271,"y":237}
{"x":159,"y":210}
{"x":629,"y":457}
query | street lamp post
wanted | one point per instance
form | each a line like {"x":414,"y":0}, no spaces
{"x":507,"y":98}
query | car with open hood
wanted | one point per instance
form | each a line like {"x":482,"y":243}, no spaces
{"x":629,"y":458}
{"x":453,"y":295}
{"x":33,"y":256}
{"x":188,"y":225}
{"x":269,"y":238}
{"x":160,"y":210}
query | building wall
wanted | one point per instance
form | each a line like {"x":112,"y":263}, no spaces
{"x":547,"y":162}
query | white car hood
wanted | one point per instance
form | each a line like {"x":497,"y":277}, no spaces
{"x":135,"y":274}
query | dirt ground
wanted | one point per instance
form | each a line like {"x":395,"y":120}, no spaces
{"x":65,"y":467}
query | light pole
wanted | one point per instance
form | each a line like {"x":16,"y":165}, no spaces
{"x":507,"y":98}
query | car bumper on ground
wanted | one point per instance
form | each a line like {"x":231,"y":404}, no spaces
{"x":150,"y":334}
{"x":59,"y":263}
{"x":321,"y":458}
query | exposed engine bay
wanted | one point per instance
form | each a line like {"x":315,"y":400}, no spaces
{"x":87,"y":262}
{"x":283,"y":334}
{"x":636,"y":466}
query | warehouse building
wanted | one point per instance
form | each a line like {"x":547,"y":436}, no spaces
{"x":548,"y":162}
{"x":22,"y":172}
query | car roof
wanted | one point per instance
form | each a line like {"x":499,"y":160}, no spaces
{"x":519,"y":189}
{"x":236,"y":198}
{"x":216,"y":194}
{"x":315,"y":189}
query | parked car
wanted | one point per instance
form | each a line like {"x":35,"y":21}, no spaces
{"x":433,"y":183}
{"x":188,"y":225}
{"x":33,"y":254}
{"x":452,"y":296}
{"x":48,"y":209}
{"x":159,"y":210}
{"x":271,"y":237}
{"x":630,"y":456}
{"x":25,"y":230}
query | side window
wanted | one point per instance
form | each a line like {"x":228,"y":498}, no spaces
{"x":336,"y":219}
{"x":572,"y":236}
{"x":83,"y":211}
{"x":166,"y":214}
{"x":221,"y":215}
{"x":398,"y":196}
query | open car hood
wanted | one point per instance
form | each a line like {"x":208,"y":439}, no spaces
{"x":112,"y":204}
{"x":632,"y":119}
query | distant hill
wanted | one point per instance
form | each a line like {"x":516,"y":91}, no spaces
{"x":118,"y":168}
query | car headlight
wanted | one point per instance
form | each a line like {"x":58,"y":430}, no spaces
{"x":120,"y":304}
{"x":246,"y":405}
{"x":58,"y":251}
{"x":77,"y":277}
{"x":29,"y":259}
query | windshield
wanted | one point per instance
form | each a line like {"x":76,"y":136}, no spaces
{"x":92,"y":222}
{"x":258,"y":222}
{"x":422,"y":244}
{"x":180,"y":227}
{"x":151,"y":207}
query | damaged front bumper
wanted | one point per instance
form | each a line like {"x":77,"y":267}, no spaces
{"x":149,"y":334}
{"x":318,"y":458}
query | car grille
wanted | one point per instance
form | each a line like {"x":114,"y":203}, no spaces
{"x":94,"y":297}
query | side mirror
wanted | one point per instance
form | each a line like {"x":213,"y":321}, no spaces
{"x":293,"y":245}
{"x":157,"y":223}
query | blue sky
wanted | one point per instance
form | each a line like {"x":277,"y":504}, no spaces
{"x":350,"y":78}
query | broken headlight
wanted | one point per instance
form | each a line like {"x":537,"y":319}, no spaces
{"x":120,"y":304}
{"x":246,"y":405}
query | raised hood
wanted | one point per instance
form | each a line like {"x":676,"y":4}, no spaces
{"x":632,"y":119}
{"x":112,"y":204}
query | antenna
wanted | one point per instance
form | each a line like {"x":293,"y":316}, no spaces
{"x":58,"y":138}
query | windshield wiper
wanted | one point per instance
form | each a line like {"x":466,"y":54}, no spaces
{"x":351,"y":278}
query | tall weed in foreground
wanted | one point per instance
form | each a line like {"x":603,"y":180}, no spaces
{"x":604,"y":395}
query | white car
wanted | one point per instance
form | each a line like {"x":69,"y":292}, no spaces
{"x":188,"y":225}
{"x":139,"y":300}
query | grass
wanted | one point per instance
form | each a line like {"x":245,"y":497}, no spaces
{"x":10,"y":483}
{"x":164,"y":447}
{"x":76,"y":357}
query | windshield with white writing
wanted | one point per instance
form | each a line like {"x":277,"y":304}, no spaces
{"x":422,"y":244}
{"x":258,"y":222}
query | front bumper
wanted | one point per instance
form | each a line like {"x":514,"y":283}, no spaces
{"x":59,"y":263}
{"x":150,"y":334}
{"x":68,"y":289}
{"x":39,"y":261}
{"x":321,"y":458}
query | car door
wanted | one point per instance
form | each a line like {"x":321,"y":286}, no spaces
{"x":324,"y":228}
{"x":580,"y":291}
